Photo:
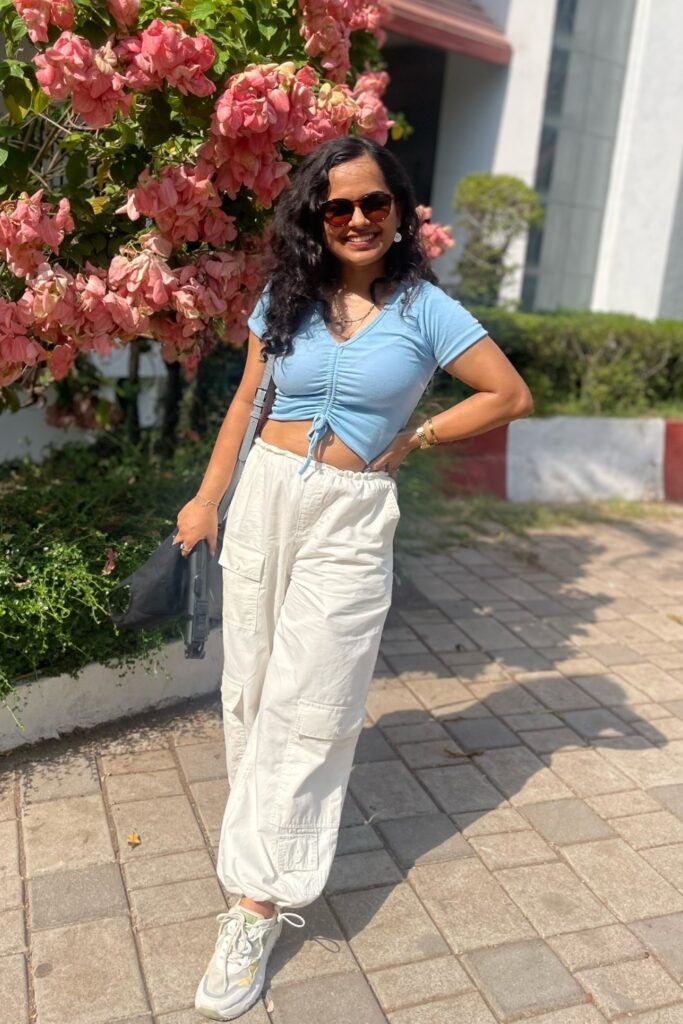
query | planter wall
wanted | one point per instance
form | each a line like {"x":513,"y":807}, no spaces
{"x":50,"y":707}
{"x":573,"y":458}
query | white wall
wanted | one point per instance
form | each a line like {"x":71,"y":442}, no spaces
{"x":491,"y":114}
{"x":637,"y":246}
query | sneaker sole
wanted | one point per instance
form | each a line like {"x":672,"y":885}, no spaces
{"x":212,"y":1014}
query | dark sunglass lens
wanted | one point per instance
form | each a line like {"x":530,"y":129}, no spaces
{"x":376,"y":206}
{"x":338,"y":211}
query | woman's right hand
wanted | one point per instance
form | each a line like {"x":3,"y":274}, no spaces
{"x":197,"y":522}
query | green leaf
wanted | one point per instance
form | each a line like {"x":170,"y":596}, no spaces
{"x":4,"y":153}
{"x":77,"y":168}
{"x":128,"y":163}
{"x":156,"y":121}
{"x":17,"y":96}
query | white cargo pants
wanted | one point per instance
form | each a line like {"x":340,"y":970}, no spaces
{"x":307,"y":581}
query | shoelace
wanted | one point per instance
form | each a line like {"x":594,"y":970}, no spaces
{"x":238,"y":943}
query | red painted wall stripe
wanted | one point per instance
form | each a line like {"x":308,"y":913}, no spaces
{"x":673,"y":461}
{"x":479,"y":464}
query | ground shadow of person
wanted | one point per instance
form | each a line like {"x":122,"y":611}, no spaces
{"x":489,"y":757}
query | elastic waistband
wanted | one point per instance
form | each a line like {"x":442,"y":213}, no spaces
{"x":325,"y":467}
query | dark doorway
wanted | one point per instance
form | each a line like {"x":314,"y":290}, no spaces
{"x":415,"y":88}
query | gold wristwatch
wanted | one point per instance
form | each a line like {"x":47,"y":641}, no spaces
{"x":424,"y":443}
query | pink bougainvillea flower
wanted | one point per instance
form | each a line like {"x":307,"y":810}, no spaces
{"x":90,"y":77}
{"x":38,"y":14}
{"x":124,"y":12}
{"x":371,"y":115}
{"x":164,"y":53}
{"x":28,"y":227}
{"x":436,"y":238}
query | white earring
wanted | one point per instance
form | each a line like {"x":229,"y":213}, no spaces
{"x":398,"y":236}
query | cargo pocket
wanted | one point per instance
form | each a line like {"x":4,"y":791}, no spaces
{"x":312,"y":780}
{"x":243,"y":568}
{"x":392,"y":499}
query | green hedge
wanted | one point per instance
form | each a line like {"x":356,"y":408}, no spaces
{"x":57,"y":521}
{"x":593,"y":364}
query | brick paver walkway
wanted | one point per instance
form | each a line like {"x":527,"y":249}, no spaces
{"x":512,"y":843}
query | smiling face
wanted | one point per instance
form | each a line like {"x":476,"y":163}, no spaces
{"x":360,"y":243}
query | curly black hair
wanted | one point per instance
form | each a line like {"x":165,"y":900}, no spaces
{"x":299,"y":264}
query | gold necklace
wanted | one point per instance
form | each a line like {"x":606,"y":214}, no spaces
{"x":347,"y":320}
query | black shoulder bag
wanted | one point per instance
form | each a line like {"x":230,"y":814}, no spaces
{"x":169,"y":584}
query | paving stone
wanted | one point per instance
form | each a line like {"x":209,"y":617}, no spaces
{"x":642,"y":830}
{"x":256,"y":1015}
{"x":176,"y":901}
{"x":174,"y":958}
{"x":360,"y":870}
{"x":13,"y":989}
{"x":628,"y":987}
{"x":520,"y":659}
{"x":11,"y":892}
{"x":421,"y":732}
{"x":357,"y":839}
{"x":613,"y":654}
{"x":394,"y":705}
{"x":319,"y":948}
{"x":211,"y":796}
{"x":547,"y":741}
{"x":142,"y":761}
{"x":523,"y":977}
{"x":671,"y":797}
{"x":481,"y":734}
{"x":645,"y":765}
{"x":487,"y":823}
{"x":459,"y":788}
{"x":431,"y":754}
{"x":595,"y":722}
{"x":142,"y":785}
{"x":468,"y":904}
{"x":489,"y":634}
{"x":387,"y":926}
{"x":588,"y":773}
{"x":510,"y":850}
{"x":65,"y":897}
{"x":521,"y":776}
{"x":174,"y":867}
{"x":566,"y":821}
{"x":423,"y":839}
{"x":623,"y":880}
{"x":66,"y":834}
{"x":654,"y":682}
{"x":351,"y":812}
{"x":553,"y":899}
{"x":80,"y":972}
{"x":443,"y":637}
{"x":664,"y":937}
{"x":478,"y":672}
{"x":63,"y":775}
{"x":596,"y":947}
{"x":638,"y":713}
{"x":9,"y":850}
{"x":336,"y":999}
{"x":570,"y":1015}
{"x":386,"y":789}
{"x":504,"y":698}
{"x":438,"y":693}
{"x":666,"y":1015}
{"x":545,"y":720}
{"x":466,"y":1009}
{"x":622,"y":805}
{"x":537,"y":634}
{"x":372,"y":746}
{"x":409,"y":984}
{"x":12,"y":931}
{"x":661,"y":731}
{"x":166,"y":825}
{"x":610,"y":690}
{"x":7,"y":796}
{"x":668,"y":861}
{"x":555,"y":691}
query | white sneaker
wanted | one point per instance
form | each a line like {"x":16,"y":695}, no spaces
{"x":234,"y":978}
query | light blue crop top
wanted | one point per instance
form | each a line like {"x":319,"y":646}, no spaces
{"x":366,"y":388}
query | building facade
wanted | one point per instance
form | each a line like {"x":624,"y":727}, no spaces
{"x":580,"y":99}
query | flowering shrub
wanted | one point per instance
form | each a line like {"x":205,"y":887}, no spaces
{"x":144,"y":146}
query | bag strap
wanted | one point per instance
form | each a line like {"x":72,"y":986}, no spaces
{"x":263,"y":393}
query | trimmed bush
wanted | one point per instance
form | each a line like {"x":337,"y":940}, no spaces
{"x":595,"y":364}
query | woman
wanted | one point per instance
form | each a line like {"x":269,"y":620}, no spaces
{"x":357,"y":324}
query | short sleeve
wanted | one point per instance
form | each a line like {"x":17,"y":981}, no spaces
{"x":257,"y":320}
{"x":448,"y":326}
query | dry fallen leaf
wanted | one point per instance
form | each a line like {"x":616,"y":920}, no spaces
{"x":270,"y":1006}
{"x":134,"y":839}
{"x":676,"y":618}
{"x":458,"y":753}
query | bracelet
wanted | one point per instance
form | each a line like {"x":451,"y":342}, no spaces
{"x":206,"y":501}
{"x":435,"y":439}
{"x":424,"y":443}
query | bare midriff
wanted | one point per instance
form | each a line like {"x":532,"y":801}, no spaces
{"x":291,"y":435}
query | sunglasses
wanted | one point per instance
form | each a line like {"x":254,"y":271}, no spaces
{"x":376,"y":206}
